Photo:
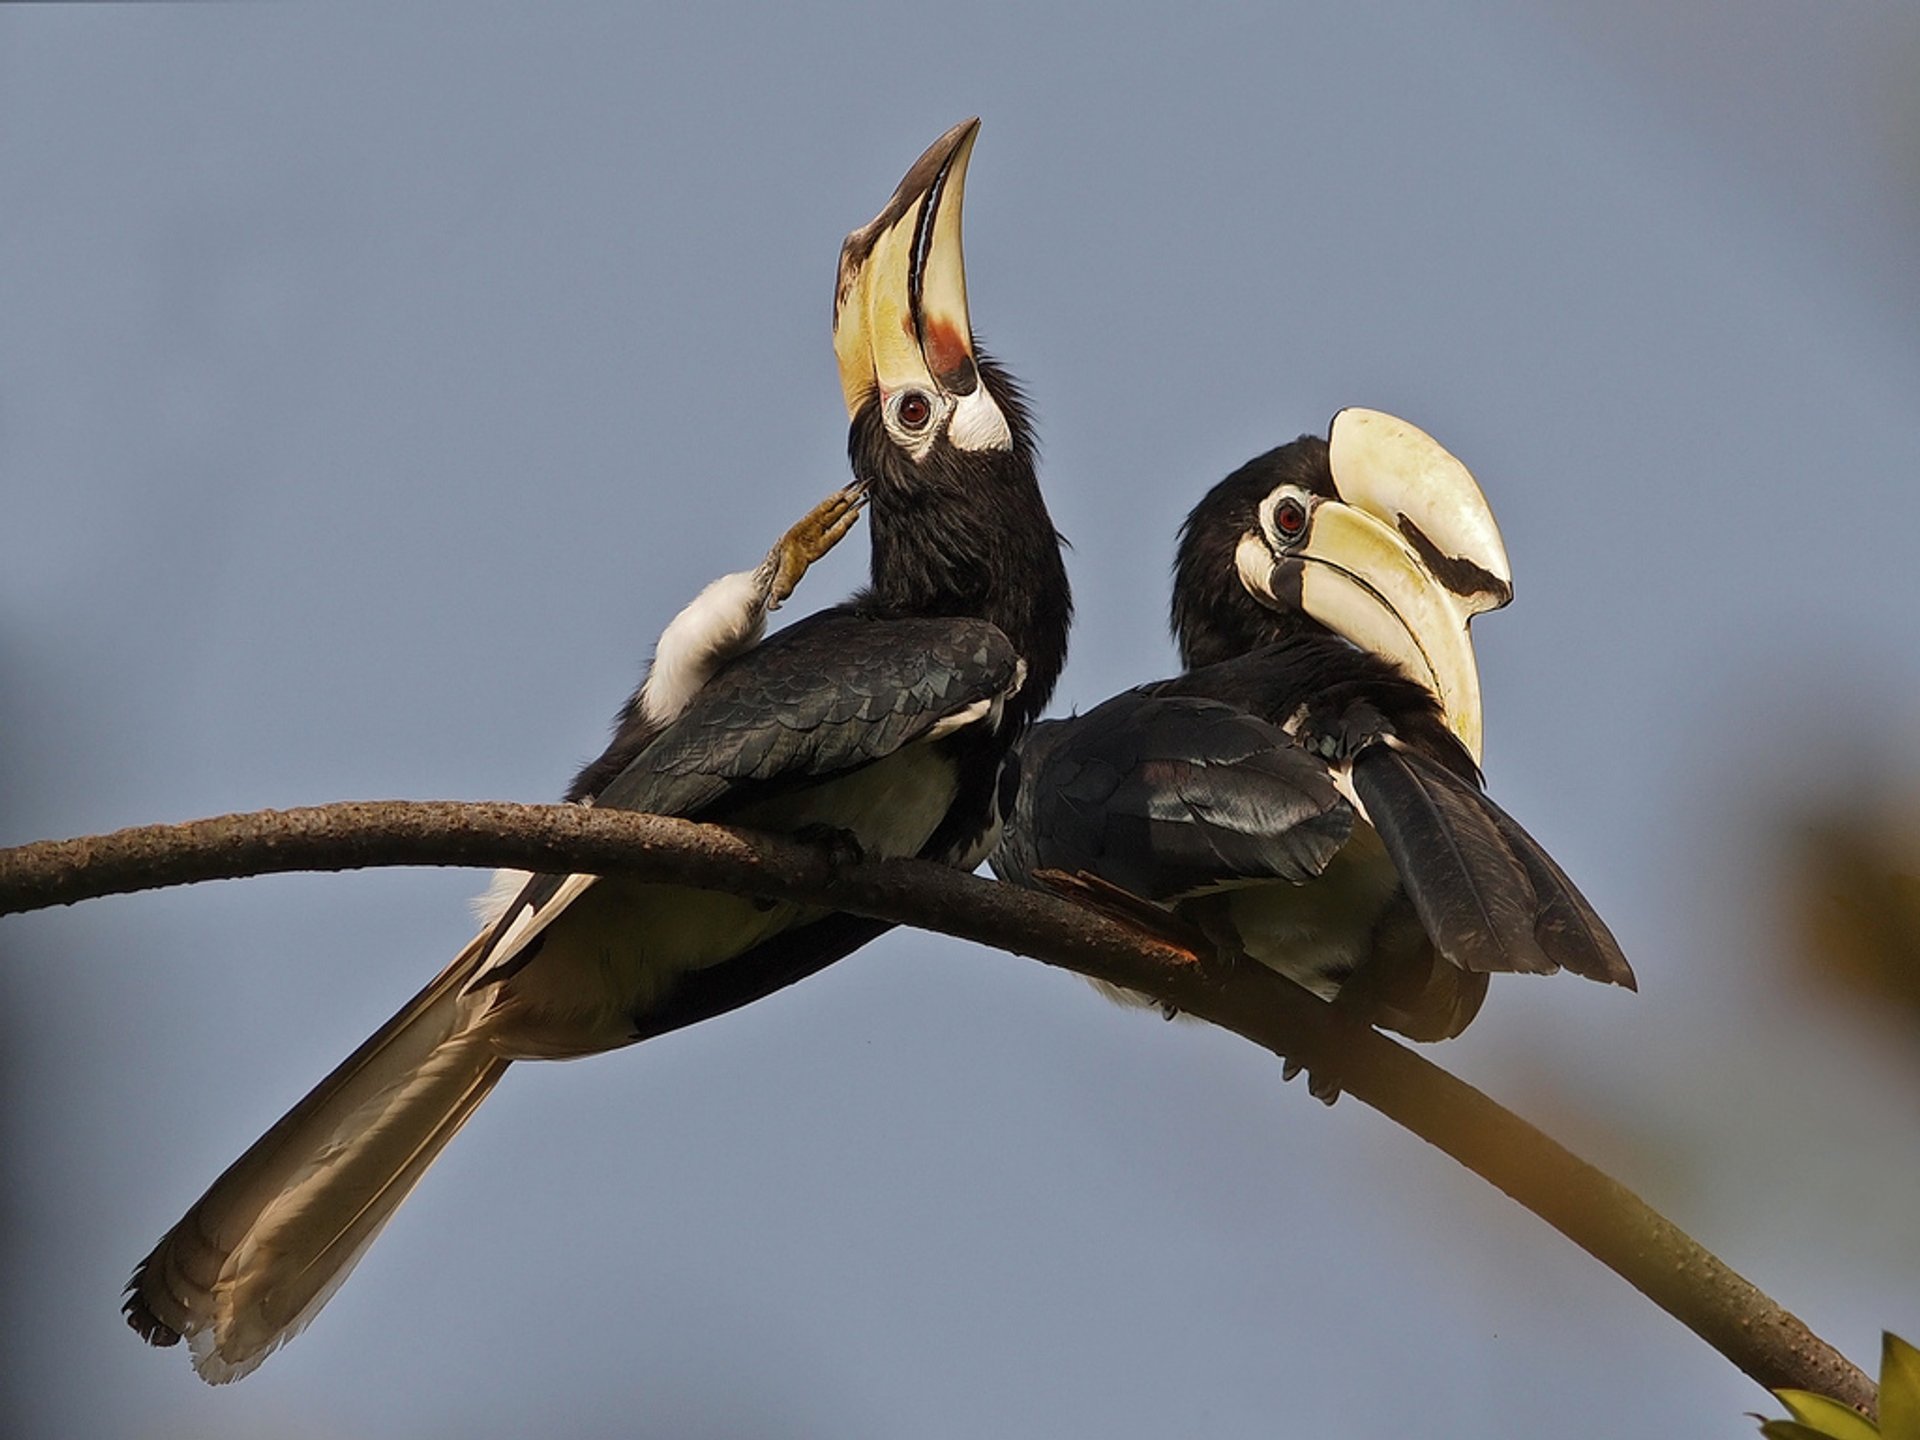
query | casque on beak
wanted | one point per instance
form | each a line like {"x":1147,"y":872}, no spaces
{"x":1399,"y":564}
{"x":900,"y":309}
{"x":1402,"y":476}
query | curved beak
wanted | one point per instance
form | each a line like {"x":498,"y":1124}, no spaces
{"x":1407,"y":557}
{"x":1407,"y":480}
{"x":1399,"y":563}
{"x":900,"y":310}
{"x":1370,"y":584}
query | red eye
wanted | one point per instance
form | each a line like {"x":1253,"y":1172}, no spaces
{"x":914,"y":411}
{"x":1290,"y":519}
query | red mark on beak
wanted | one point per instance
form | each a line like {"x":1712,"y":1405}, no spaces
{"x":946,"y":350}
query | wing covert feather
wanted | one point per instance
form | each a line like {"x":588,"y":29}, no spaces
{"x":834,"y":691}
{"x":1167,"y":795}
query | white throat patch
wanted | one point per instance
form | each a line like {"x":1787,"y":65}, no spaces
{"x":977,"y":423}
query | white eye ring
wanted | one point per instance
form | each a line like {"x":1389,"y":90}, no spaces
{"x":1286,"y":517}
{"x":913,"y":411}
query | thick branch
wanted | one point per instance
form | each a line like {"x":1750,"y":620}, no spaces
{"x":1594,"y":1211}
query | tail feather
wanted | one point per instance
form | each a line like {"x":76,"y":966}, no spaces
{"x":258,"y":1255}
{"x":1488,"y":894}
{"x":1569,"y":929}
{"x":1474,"y":898}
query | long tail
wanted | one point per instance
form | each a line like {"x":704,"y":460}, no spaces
{"x":258,"y":1255}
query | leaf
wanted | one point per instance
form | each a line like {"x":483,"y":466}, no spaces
{"x":1899,"y":1389}
{"x":1790,"y":1430}
{"x":1827,"y":1417}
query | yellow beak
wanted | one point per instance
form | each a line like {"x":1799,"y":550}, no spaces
{"x":1400,"y":563}
{"x":1405,"y":478}
{"x":900,"y":310}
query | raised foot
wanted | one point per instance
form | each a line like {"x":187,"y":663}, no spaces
{"x":808,"y":539}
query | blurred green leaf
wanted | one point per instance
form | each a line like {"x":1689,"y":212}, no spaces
{"x":1899,"y":1389}
{"x":1826,"y":1417}
{"x":1816,"y":1417}
{"x":1854,"y":897}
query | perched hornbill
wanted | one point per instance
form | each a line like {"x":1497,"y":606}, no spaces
{"x":884,"y":719}
{"x":1308,"y":792}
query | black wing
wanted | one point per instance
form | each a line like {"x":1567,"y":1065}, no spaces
{"x":1487,"y":894}
{"x":1567,"y":927}
{"x":828,"y":694}
{"x":837,"y":690}
{"x":1167,"y":795}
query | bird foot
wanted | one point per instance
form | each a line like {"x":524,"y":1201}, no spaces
{"x":1125,"y":908}
{"x":809,"y":539}
{"x":1352,"y":1018}
{"x":1323,"y":1083}
{"x":842,"y":847}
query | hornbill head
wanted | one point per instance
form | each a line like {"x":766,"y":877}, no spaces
{"x":1377,"y":534}
{"x":939,"y":433}
{"x":908,"y":363}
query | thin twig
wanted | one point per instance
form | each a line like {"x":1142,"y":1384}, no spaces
{"x":1596,"y":1212}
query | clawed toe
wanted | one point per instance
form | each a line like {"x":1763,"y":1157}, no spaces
{"x":843,"y":847}
{"x":1322,"y":1083}
{"x":817,"y":532}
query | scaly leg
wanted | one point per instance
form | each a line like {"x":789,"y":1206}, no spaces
{"x":807,"y":540}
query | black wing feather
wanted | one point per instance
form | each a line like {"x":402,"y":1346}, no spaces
{"x":1164,"y":796}
{"x":833,"y":692}
{"x":1474,"y":897}
{"x":1569,"y":930}
{"x":772,"y":965}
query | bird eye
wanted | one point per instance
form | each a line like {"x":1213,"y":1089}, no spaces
{"x":914,"y":411}
{"x":1290,"y":519}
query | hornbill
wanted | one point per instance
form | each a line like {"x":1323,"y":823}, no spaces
{"x":881,"y":722}
{"x":1308,"y":792}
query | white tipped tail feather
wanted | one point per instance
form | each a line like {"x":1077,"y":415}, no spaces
{"x":258,"y":1255}
{"x":271,"y":1240}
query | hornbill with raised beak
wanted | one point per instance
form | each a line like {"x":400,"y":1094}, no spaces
{"x":1308,"y":793}
{"x":882,"y":721}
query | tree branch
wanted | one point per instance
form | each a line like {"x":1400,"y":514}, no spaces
{"x":1597,"y":1213}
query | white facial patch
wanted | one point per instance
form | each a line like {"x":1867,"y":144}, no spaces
{"x":977,"y":423}
{"x":1254,"y":562}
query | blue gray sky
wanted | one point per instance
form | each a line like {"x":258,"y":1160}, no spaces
{"x":374,"y":383}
